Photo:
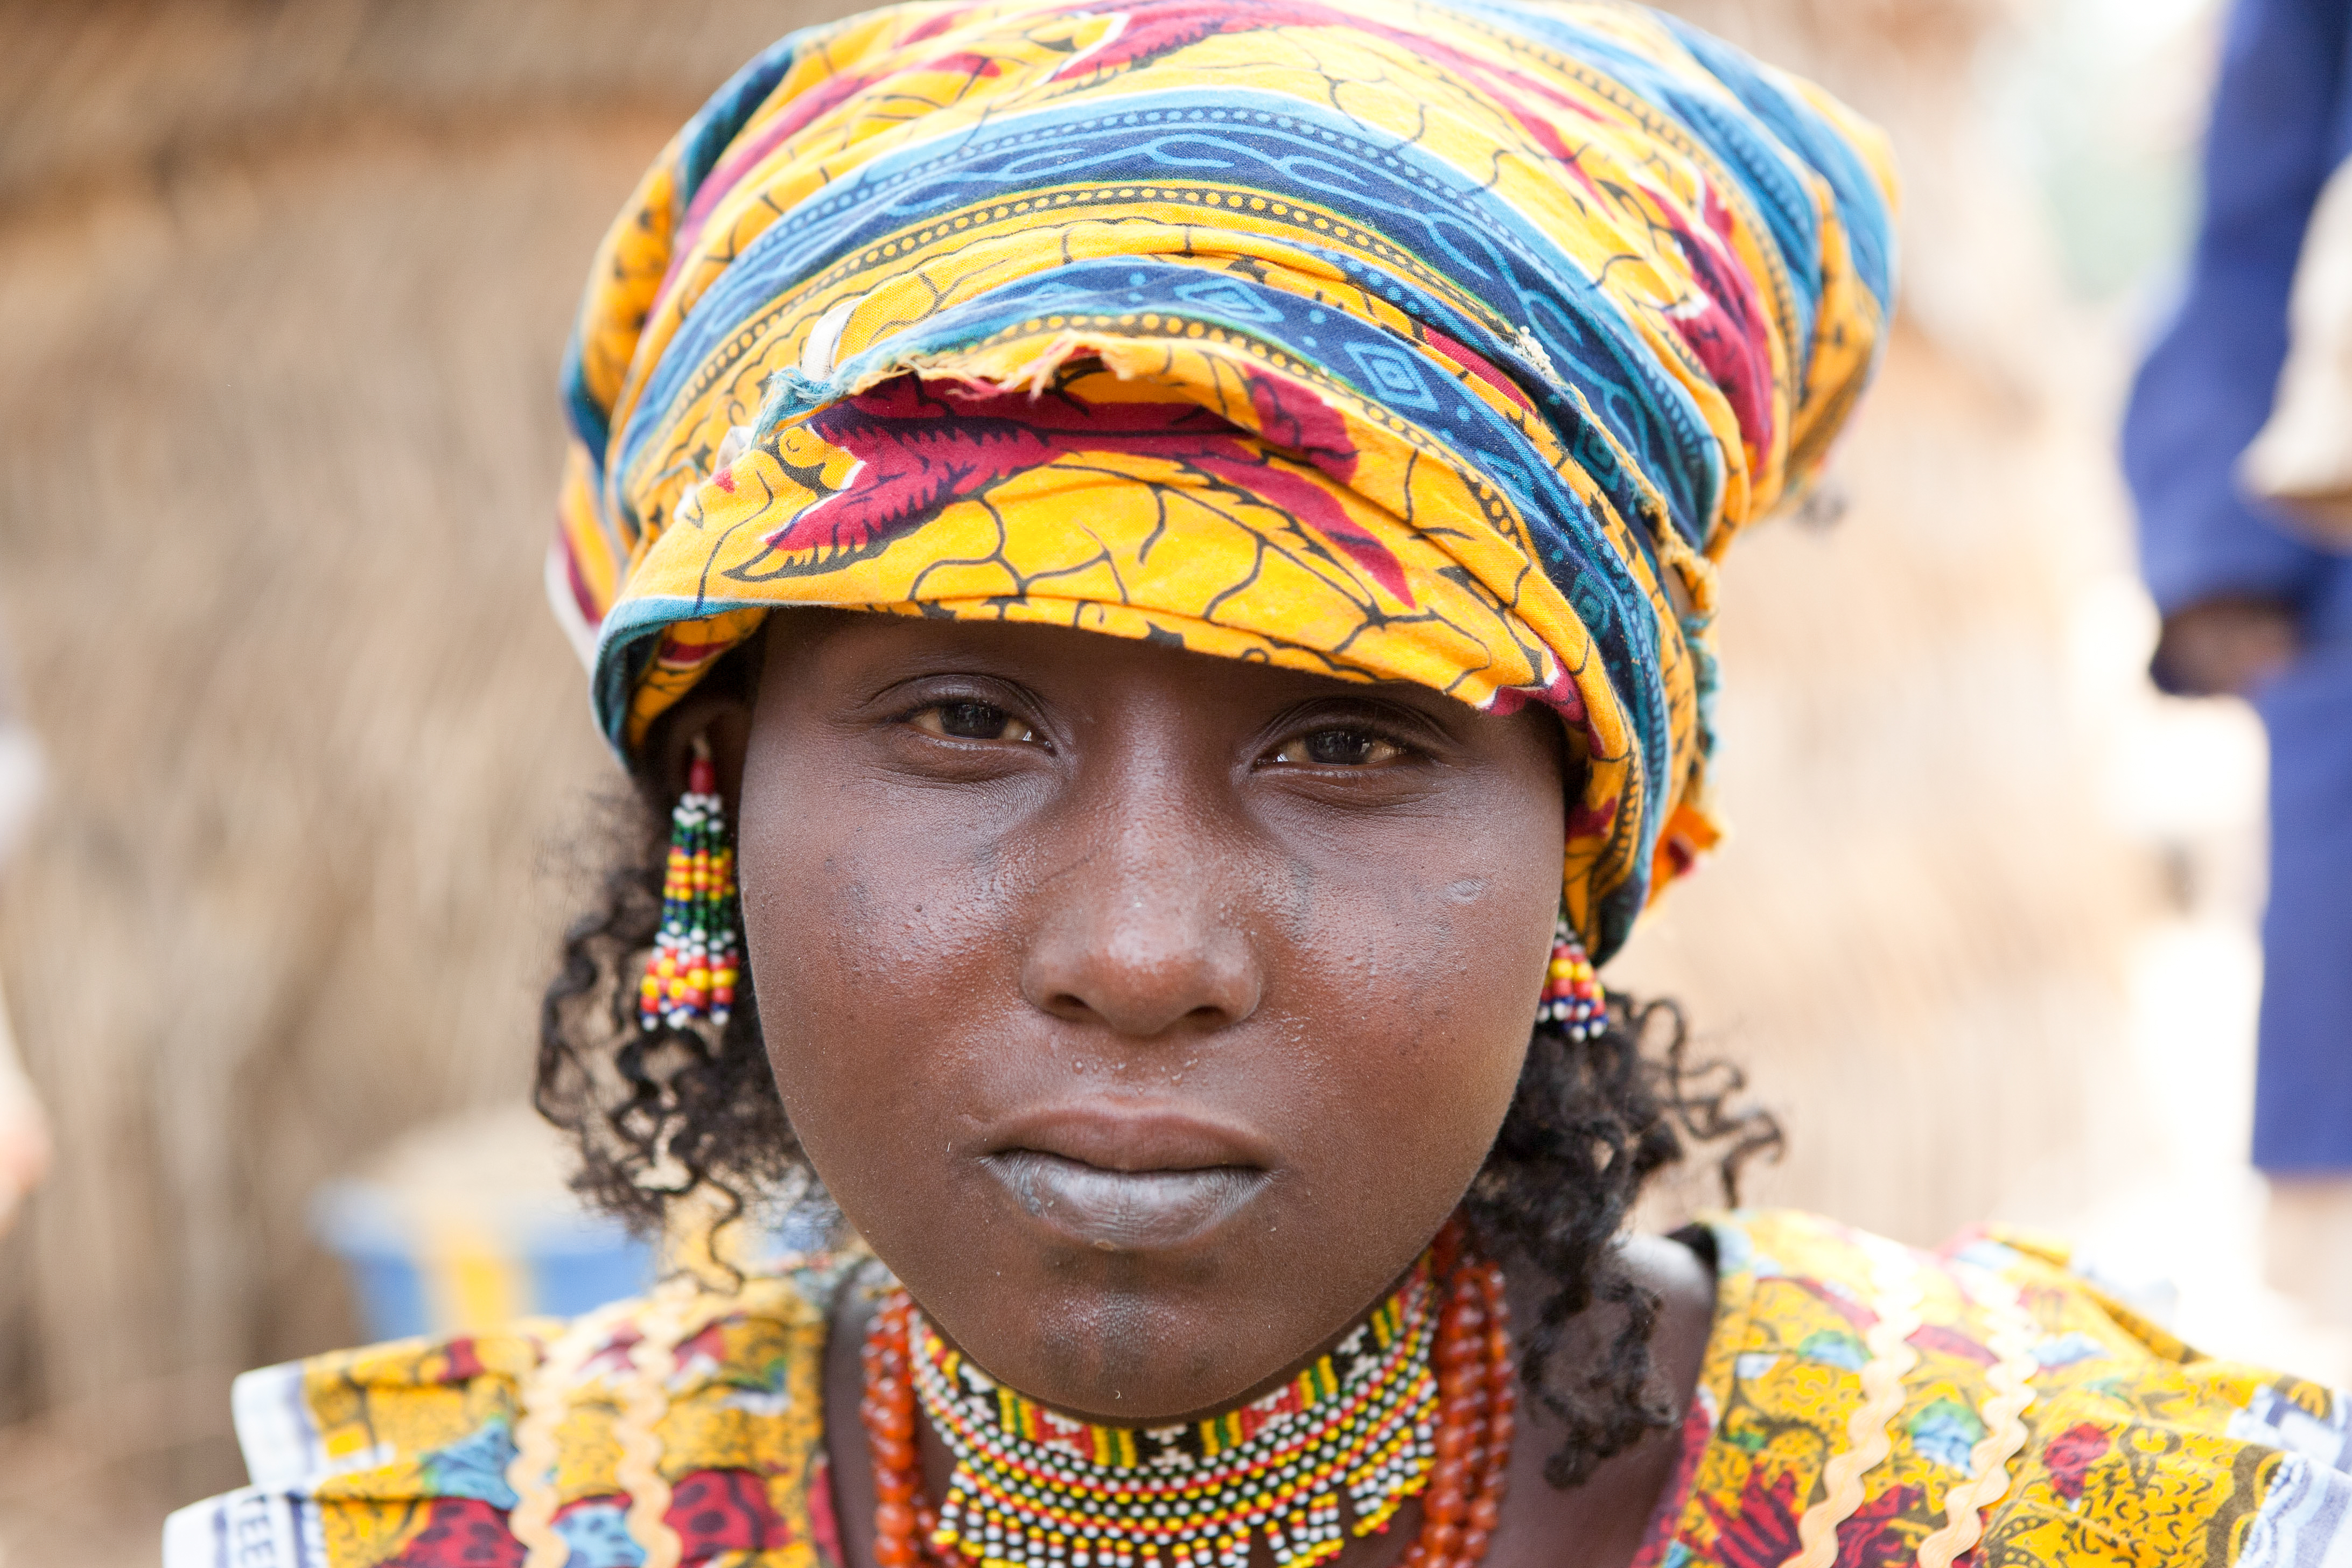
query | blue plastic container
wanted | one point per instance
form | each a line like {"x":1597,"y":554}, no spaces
{"x":423,"y":1265}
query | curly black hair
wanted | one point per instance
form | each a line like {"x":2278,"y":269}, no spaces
{"x":660,"y":1113}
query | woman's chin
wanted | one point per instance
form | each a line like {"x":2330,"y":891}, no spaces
{"x":1132,"y":1357}
{"x":1133,"y":1297}
{"x":1177,"y":1317}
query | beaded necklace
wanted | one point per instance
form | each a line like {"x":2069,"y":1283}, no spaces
{"x":1415,"y":1400}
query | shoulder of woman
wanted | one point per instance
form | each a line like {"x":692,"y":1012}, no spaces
{"x":1865,"y":1398}
{"x":671,"y":1426}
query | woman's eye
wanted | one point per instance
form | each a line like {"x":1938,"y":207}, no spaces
{"x":971,"y":722}
{"x":1338,"y":749}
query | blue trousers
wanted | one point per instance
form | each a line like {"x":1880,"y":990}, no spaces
{"x":2303,"y":1077}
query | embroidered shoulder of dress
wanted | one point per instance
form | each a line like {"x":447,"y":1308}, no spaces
{"x":1863,"y":1402}
{"x":670,"y":1429}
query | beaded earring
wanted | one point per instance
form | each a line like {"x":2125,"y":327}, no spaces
{"x":698,"y":956}
{"x":1572,"y":997}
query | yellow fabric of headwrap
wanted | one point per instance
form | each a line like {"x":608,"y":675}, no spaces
{"x":1400,"y":342}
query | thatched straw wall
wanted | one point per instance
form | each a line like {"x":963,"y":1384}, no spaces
{"x":282,"y":289}
{"x":1917,"y":937}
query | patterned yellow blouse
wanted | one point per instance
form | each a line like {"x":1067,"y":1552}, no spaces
{"x":1862,"y":1403}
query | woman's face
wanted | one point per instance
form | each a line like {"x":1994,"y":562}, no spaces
{"x":1146,"y":1012}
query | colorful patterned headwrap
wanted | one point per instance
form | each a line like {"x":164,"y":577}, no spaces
{"x":1391,"y":341}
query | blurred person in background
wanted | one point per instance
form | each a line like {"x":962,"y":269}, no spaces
{"x":24,"y":1131}
{"x":2241,"y":477}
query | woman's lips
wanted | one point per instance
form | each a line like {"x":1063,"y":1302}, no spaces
{"x":1124,"y":1210}
{"x":1128,"y":1176}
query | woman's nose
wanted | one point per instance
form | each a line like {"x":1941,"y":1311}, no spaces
{"x":1137,"y":937}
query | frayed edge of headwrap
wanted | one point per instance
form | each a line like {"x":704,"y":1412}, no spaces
{"x":1027,"y":367}
{"x":1032,"y":374}
{"x":1693,"y":833}
{"x":793,"y":394}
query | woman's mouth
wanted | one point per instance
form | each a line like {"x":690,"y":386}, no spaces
{"x":1124,"y":1211}
{"x":1118,"y":1182}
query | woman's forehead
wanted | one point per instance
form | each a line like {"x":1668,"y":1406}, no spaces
{"x":822,"y":643}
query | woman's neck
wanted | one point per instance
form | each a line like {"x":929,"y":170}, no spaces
{"x":1599,"y":1524}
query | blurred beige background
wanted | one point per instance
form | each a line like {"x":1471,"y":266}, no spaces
{"x":283,"y":285}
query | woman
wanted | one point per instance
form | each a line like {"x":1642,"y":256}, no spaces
{"x":1167,"y":529}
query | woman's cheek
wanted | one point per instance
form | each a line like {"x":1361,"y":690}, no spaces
{"x":868,"y":950}
{"x":1418,"y":1069}
{"x":1467,"y":960}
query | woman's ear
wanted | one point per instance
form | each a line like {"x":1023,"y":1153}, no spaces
{"x":1575,"y":765}
{"x":722,"y":720}
{"x":717,"y":711}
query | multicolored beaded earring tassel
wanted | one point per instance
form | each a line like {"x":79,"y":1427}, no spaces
{"x":698,"y":956}
{"x":1572,"y":996}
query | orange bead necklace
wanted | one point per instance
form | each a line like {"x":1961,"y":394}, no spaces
{"x":1020,"y":1466}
